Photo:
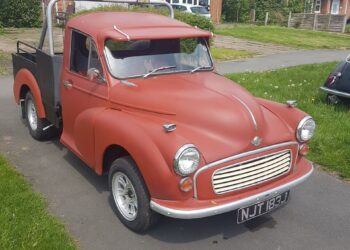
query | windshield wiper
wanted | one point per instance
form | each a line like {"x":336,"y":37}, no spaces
{"x":199,"y":68}
{"x":158,"y":69}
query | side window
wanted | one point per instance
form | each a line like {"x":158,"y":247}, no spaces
{"x":84,"y":54}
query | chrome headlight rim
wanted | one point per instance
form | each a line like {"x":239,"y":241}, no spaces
{"x":178,"y":155}
{"x":300,"y":127}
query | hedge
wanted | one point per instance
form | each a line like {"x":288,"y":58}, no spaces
{"x":240,"y":10}
{"x":20,"y":13}
{"x":195,"y":20}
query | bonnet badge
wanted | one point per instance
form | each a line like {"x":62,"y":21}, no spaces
{"x":256,"y":141}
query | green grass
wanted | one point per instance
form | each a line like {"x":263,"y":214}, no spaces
{"x":330,"y":146}
{"x":223,"y":54}
{"x":24,"y":220}
{"x":297,"y":38}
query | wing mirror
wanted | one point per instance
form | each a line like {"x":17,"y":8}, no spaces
{"x":95,"y":75}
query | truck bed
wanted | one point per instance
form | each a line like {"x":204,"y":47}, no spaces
{"x":47,"y":71}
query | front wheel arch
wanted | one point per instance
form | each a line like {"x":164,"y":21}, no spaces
{"x":113,"y":128}
{"x":112,"y":153}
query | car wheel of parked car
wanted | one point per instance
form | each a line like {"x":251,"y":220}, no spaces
{"x":130,"y":196}
{"x":333,"y":99}
{"x":35,"y":124}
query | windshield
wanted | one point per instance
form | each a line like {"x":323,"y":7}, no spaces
{"x":139,"y":58}
{"x":199,"y":10}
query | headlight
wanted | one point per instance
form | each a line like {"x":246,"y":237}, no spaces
{"x":306,"y":129}
{"x":186,"y":160}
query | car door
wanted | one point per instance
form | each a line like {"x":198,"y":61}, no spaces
{"x":84,"y":94}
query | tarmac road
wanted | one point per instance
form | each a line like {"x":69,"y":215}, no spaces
{"x":317,"y":217}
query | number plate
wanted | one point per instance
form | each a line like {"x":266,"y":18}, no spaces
{"x":253,"y":211}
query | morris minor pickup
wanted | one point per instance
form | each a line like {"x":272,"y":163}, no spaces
{"x":136,"y":97}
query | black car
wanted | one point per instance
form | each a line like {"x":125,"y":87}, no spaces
{"x":337,"y":85}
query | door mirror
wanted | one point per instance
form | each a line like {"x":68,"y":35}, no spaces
{"x":95,"y":75}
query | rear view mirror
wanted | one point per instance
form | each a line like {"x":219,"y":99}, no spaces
{"x":95,"y":75}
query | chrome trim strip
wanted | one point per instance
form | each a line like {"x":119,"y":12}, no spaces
{"x":254,"y":159}
{"x":335,"y":92}
{"x":122,"y":32}
{"x":235,"y":157}
{"x":249,"y":111}
{"x":210,"y":211}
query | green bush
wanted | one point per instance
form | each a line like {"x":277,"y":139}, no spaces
{"x":194,"y":20}
{"x":20,"y":13}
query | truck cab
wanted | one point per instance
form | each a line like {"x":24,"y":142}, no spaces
{"x":136,"y":96}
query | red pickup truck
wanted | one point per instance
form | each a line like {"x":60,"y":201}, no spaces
{"x":136,"y":96}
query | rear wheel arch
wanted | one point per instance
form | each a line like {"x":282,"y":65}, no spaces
{"x":23,"y":91}
{"x":25,"y":81}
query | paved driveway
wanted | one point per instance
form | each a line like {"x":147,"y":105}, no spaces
{"x":281,"y":60}
{"x":318,"y":216}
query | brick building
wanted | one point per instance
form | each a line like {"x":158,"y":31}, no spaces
{"x":334,"y":7}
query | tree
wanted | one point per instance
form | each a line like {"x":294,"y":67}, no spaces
{"x":236,"y":10}
{"x":20,"y":13}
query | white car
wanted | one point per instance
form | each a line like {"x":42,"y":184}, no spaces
{"x":87,"y":5}
{"x":194,"y":9}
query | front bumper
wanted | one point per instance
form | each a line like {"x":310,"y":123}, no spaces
{"x":335,"y":92}
{"x":182,"y":209}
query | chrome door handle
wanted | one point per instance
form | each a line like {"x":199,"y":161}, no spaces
{"x":67,"y":84}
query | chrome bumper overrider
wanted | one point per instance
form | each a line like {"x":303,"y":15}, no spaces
{"x":335,"y":92}
{"x":210,"y":211}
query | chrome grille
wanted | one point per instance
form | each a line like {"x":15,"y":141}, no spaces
{"x":251,"y":172}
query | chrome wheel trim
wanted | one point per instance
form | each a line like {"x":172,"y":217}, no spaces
{"x":124,"y":195}
{"x":32,"y":115}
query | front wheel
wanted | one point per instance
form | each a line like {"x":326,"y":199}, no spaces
{"x":130,"y":196}
{"x":38,"y":128}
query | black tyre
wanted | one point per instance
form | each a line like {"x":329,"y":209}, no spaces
{"x":36,"y":125}
{"x":130,"y":196}
{"x":332,"y":99}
